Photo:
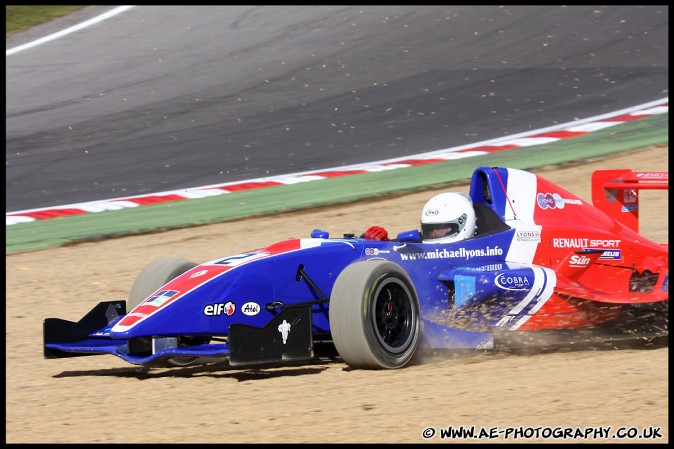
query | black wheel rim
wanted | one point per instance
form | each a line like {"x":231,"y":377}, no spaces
{"x":394,"y":316}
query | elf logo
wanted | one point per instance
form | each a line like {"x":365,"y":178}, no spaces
{"x":579,"y":261}
{"x":250,"y":308}
{"x":220,"y":308}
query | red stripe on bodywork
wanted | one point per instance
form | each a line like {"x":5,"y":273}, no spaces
{"x":182,"y":284}
{"x":185,"y":283}
{"x":283,"y":247}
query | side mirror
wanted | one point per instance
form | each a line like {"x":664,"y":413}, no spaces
{"x":409,"y":236}
{"x":319,"y":234}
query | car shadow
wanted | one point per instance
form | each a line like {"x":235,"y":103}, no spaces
{"x":507,"y":345}
{"x":214,"y":370}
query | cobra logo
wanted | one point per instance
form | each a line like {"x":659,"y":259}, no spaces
{"x":509,"y":282}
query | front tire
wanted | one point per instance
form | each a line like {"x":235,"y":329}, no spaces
{"x":374,"y":315}
{"x":150,"y":279}
{"x":154,"y":275}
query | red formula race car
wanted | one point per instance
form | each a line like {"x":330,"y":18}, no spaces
{"x":542,"y":260}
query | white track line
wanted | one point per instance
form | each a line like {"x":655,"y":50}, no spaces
{"x":522,"y":140}
{"x":72,"y":29}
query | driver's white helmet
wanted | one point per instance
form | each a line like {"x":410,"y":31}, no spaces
{"x":448,"y":217}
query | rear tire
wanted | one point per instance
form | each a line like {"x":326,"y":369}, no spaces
{"x":374,"y":315}
{"x":150,"y":279}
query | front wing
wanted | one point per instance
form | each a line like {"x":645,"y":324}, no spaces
{"x":287,"y":337}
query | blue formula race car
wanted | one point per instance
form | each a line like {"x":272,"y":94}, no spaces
{"x":541,"y":259}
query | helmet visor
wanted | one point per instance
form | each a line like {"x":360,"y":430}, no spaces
{"x":433,"y":231}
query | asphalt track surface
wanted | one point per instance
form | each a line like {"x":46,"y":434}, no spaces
{"x":162,"y":97}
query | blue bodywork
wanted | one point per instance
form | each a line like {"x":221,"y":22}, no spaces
{"x":466,"y":290}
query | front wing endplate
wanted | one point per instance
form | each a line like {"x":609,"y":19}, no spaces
{"x":288,"y":337}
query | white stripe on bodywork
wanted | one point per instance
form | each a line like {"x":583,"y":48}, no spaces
{"x":521,"y":191}
{"x":519,"y":214}
{"x":226,"y":264}
{"x":545,"y":280}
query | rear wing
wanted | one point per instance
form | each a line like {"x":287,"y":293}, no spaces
{"x":616,"y":192}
